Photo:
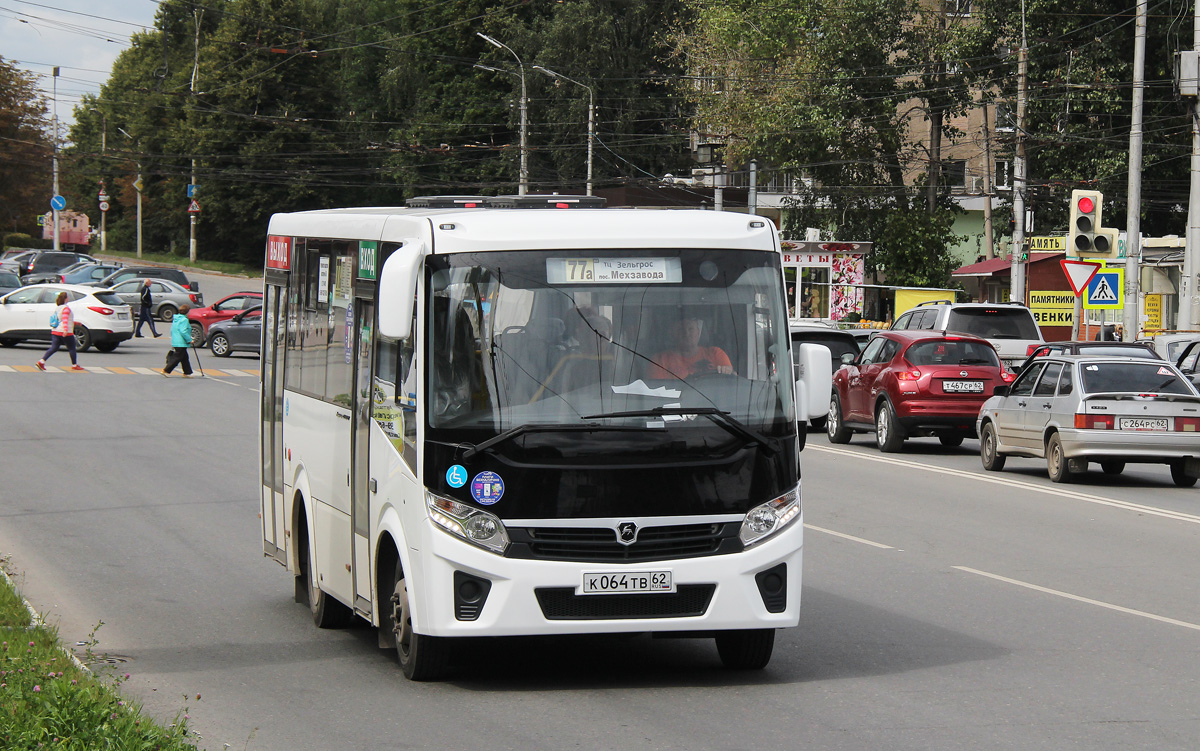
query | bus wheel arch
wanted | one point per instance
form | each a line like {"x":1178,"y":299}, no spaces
{"x":327,"y":611}
{"x":421,"y":657}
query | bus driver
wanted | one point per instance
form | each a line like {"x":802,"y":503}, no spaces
{"x":688,"y":357}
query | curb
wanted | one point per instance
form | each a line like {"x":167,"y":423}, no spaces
{"x":36,"y":620}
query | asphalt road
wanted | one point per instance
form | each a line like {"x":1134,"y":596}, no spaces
{"x":944,"y":607}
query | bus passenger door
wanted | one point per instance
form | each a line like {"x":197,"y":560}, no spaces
{"x":364,"y":330}
{"x":271,"y":424}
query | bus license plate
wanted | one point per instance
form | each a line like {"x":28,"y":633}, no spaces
{"x":627,"y":582}
{"x":962,"y":387}
{"x":1143,"y":423}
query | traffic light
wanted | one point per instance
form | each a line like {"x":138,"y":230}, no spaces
{"x":1087,"y":237}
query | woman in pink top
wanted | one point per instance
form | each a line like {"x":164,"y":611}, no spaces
{"x":62,"y":331}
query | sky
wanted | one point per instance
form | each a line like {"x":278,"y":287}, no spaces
{"x":81,"y":37}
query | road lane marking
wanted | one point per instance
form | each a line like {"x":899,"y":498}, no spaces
{"x":1077,"y":598}
{"x":849,"y":537}
{"x":1012,"y":483}
{"x":121,"y":371}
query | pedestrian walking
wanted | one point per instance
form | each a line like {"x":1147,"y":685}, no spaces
{"x":181,"y":339}
{"x":144,"y":312}
{"x":62,"y":331}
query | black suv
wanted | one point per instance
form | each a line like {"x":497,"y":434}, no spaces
{"x":147,"y":272}
{"x":50,"y":261}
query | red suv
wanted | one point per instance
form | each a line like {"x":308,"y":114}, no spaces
{"x":914,"y":383}
{"x":222,"y":310}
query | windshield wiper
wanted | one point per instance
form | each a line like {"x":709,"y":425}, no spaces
{"x":770,"y":445}
{"x":528,"y":428}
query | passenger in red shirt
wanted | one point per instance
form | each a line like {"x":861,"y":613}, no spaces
{"x":688,"y":357}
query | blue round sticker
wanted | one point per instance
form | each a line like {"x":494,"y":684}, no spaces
{"x":487,"y":488}
{"x":456,"y":476}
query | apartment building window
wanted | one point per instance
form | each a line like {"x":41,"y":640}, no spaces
{"x":954,"y":172}
{"x":1002,"y":177}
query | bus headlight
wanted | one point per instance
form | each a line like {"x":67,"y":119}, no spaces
{"x":471,"y":524}
{"x":765,"y":520}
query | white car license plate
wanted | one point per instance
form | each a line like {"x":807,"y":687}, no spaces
{"x":627,"y":582}
{"x":1143,"y":423}
{"x":962,"y":387}
{"x":122,"y":316}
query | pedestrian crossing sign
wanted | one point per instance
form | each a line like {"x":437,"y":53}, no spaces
{"x":1106,"y":290}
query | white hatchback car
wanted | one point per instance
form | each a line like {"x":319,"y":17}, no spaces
{"x":101,"y":318}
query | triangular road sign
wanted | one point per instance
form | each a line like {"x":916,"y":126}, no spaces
{"x":1079,"y":273}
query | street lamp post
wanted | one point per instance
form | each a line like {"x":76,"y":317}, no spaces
{"x":523,"y":186}
{"x":591,"y":116}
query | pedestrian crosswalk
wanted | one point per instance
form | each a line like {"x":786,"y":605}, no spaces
{"x":132,"y":370}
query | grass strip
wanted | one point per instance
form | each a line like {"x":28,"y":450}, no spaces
{"x":49,"y":700}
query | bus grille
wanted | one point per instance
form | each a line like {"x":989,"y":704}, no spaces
{"x":562,"y":604}
{"x":599,"y":544}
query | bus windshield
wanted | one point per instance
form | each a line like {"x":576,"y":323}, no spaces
{"x":614,"y":339}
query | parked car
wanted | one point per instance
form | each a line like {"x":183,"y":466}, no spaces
{"x":79,"y":273}
{"x":166,"y":297}
{"x":1010,"y":327}
{"x":9,"y":281}
{"x":1074,"y":409}
{"x":101,"y":318}
{"x":1170,"y":346}
{"x":813,"y":388}
{"x":1102,"y":349}
{"x":839,"y":343}
{"x":914,"y":383}
{"x":50,"y":262}
{"x":242,"y":333}
{"x":862,"y":336}
{"x":147,"y":272}
{"x":14,"y":261}
{"x":222,"y":310}
{"x":1189,"y":362}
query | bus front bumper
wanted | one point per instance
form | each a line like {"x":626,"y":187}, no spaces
{"x":533,"y":597}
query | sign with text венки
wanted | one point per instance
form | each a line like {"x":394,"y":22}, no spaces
{"x":1052,"y":307}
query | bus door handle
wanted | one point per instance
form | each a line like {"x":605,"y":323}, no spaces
{"x":343,"y":415}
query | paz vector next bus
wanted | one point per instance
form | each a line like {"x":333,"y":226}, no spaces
{"x":482,"y":421}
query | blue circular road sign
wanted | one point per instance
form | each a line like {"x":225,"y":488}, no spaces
{"x":58,"y":203}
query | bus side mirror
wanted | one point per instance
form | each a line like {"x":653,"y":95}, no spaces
{"x":398,"y":290}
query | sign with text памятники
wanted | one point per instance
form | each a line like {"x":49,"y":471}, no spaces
{"x":1052,"y":307}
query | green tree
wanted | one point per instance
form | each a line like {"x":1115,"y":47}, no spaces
{"x":828,"y":91}
{"x":1079,"y":109}
{"x":25,"y":150}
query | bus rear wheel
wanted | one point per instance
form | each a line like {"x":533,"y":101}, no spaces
{"x":422,"y":658}
{"x":746,"y":650}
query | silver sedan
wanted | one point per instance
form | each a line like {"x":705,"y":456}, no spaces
{"x":167,"y":296}
{"x":1075,"y":409}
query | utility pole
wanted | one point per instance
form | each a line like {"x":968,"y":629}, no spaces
{"x":1133,"y":221}
{"x":989,"y":247}
{"x":192,"y":215}
{"x":1188,"y":317}
{"x":752,"y":192}
{"x":137,"y":185}
{"x":54,"y":209}
{"x":1017,"y":290}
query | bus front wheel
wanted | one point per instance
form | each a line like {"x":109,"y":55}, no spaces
{"x":422,"y":658}
{"x":746,"y":650}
